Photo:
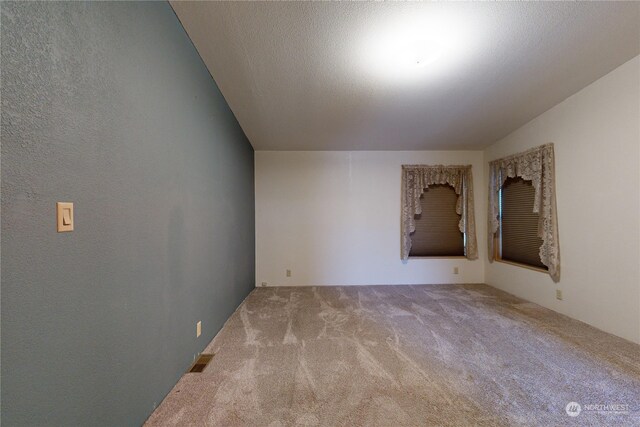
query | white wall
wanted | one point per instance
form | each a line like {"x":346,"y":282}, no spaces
{"x":597,"y":145}
{"x":333,"y":218}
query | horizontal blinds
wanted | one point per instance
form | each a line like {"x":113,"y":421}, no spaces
{"x":520,"y":242}
{"x":437,"y":232}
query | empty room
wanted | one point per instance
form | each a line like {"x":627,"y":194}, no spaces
{"x":320,"y":213}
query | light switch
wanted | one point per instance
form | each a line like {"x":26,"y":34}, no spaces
{"x":65,"y":216}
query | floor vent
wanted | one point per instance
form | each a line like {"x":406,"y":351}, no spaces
{"x":201,"y":363}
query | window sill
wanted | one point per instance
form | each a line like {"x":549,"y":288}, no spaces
{"x":439,"y":257}
{"x":517,"y":264}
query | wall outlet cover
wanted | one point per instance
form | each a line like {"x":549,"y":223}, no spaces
{"x":558,"y":294}
{"x":198,"y":328}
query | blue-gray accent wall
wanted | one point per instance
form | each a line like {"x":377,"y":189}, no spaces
{"x":109,"y":106}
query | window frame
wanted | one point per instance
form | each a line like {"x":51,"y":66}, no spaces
{"x":458,"y":176}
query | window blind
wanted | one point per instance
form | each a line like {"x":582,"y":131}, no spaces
{"x":437,"y":232}
{"x":519,"y":224}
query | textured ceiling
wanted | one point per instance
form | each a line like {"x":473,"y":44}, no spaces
{"x":299,"y":76}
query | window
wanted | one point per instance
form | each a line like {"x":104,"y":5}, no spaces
{"x":430,"y":192}
{"x":518,"y":239}
{"x":517,"y":183}
{"x":437,"y":232}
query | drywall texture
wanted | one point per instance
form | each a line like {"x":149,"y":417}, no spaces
{"x":108,"y":106}
{"x":343,"y":75}
{"x":597,"y":147}
{"x":333,"y":218}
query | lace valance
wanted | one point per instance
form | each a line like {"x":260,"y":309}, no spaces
{"x":538,"y":166}
{"x":416,"y":179}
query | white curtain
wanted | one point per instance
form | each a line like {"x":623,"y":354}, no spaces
{"x":538,"y":166}
{"x":416,"y":179}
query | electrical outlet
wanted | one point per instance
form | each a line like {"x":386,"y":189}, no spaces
{"x":263,"y":284}
{"x":288,"y":273}
{"x":455,"y":270}
{"x":558,"y":294}
{"x":198,"y":328}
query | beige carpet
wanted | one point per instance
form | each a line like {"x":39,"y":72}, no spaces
{"x":446,"y":355}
